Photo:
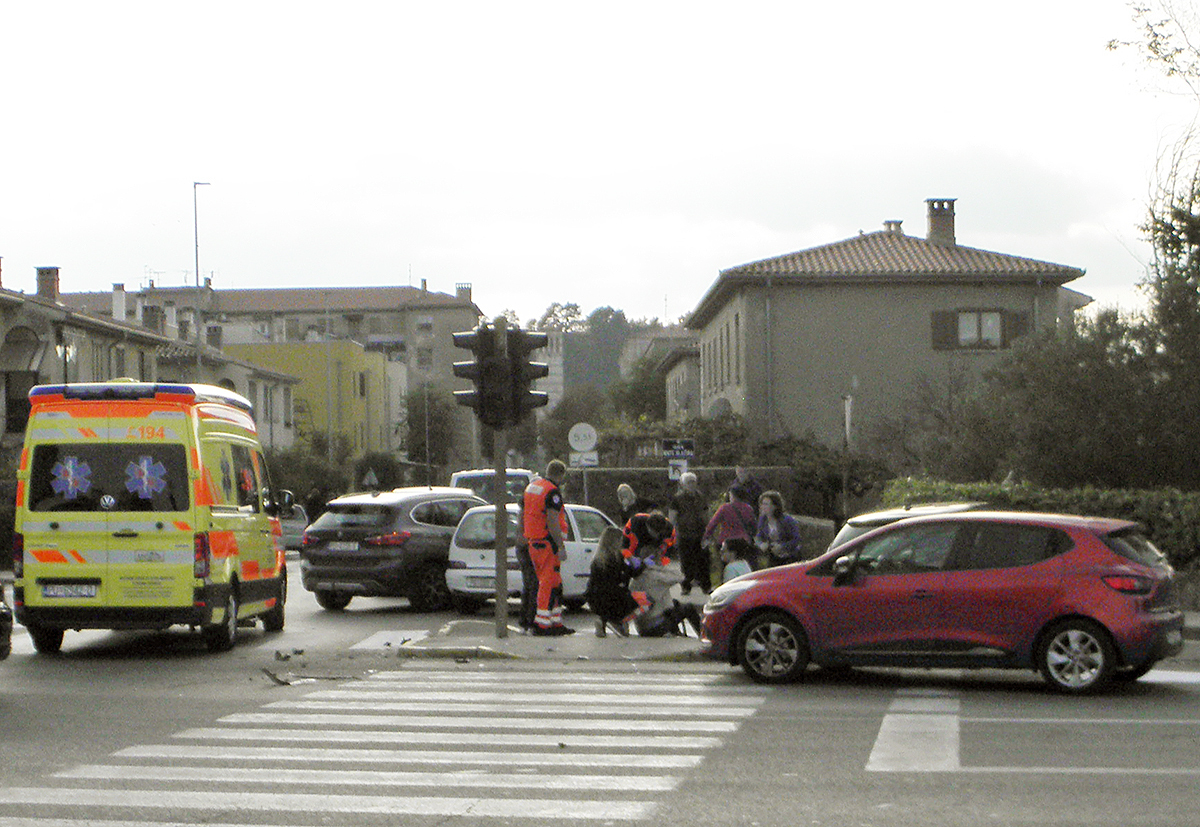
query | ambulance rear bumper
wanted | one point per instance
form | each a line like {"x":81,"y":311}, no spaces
{"x":113,"y":617}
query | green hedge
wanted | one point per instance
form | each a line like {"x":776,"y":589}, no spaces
{"x":1171,"y":517}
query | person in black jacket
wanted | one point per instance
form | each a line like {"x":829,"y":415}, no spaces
{"x":608,"y":585}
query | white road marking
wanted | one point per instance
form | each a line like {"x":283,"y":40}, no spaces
{"x":622,"y":760}
{"x":311,"y":803}
{"x":919,"y":733}
{"x":916,"y":743}
{"x":392,"y":639}
{"x":454,"y":696}
{"x":556,"y":740}
{"x":375,"y":778}
{"x":580,"y":710}
{"x":595,"y":749}
{"x":477,"y":723}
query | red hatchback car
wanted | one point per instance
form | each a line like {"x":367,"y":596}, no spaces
{"x":1081,"y":600}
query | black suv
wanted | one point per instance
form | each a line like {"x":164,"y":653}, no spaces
{"x":385,"y":544}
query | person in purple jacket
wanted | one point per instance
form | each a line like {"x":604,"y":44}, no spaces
{"x":778,"y":535}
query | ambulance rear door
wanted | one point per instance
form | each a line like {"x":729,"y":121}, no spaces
{"x":151,"y":525}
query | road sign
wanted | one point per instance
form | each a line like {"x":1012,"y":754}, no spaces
{"x":679,"y":448}
{"x":581,"y":437}
{"x":676,"y":468}
{"x":584,"y":459}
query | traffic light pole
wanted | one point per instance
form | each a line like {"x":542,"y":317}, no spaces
{"x":502,"y":373}
{"x":500,"y":450}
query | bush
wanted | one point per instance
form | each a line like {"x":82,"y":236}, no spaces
{"x":1171,"y":517}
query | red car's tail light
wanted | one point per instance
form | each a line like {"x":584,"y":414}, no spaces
{"x":1129,"y":583}
{"x":18,"y":554}
{"x":396,"y":538}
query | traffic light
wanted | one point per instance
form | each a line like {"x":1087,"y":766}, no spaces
{"x":492,"y":397}
{"x":521,"y":344}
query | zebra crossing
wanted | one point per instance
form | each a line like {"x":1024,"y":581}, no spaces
{"x":431,"y":741}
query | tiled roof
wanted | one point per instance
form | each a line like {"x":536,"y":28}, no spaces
{"x":290,"y":299}
{"x":340,"y":299}
{"x":894,"y":255}
{"x":884,"y":257}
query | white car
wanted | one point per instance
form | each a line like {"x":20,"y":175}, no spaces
{"x":471,"y":572}
{"x":483,"y":482}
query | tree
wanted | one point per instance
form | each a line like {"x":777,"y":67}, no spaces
{"x":643,"y":394}
{"x":439,"y":425}
{"x":1070,"y":410}
{"x":566,"y":318}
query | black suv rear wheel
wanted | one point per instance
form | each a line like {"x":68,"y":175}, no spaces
{"x":429,"y":592}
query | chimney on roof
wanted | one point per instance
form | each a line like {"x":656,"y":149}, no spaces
{"x":892,"y":227}
{"x":941,"y":221}
{"x":118,"y":302}
{"x":462,"y":291}
{"x":47,"y":283}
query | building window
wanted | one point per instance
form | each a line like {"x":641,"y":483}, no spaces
{"x":977,"y":329}
{"x":424,"y":358}
{"x":425,"y":324}
{"x":737,"y":348}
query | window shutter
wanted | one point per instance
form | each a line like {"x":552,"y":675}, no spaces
{"x":945,"y":329}
{"x":1016,"y":324}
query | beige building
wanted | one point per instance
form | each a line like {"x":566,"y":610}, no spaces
{"x":385,"y":341}
{"x":786,"y":341}
{"x":680,"y":368}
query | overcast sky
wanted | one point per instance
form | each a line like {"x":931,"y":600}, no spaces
{"x":617,"y":153}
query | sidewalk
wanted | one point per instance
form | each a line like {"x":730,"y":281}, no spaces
{"x":476,"y":638}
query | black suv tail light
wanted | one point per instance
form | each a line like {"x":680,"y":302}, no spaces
{"x":392,"y":540}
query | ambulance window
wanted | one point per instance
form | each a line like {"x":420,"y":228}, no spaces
{"x":245,"y":480}
{"x":108,"y":477}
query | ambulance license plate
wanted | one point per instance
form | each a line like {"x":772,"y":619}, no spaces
{"x":69,"y":590}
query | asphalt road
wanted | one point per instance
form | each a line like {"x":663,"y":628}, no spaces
{"x":302,"y":728}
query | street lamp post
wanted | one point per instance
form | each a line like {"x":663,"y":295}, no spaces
{"x":196,"y":236}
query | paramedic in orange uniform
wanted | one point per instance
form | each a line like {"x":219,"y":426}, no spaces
{"x":545,"y":527}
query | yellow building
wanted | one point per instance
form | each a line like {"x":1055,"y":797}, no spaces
{"x":345,"y":390}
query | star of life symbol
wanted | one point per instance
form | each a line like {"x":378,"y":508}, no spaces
{"x":71,"y":477}
{"x":145,"y":477}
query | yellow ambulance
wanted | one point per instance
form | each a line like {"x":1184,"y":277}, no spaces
{"x":142,"y":506}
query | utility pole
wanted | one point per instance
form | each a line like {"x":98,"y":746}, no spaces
{"x":196,"y":235}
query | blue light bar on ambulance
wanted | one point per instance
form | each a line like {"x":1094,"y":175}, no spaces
{"x":140,"y":390}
